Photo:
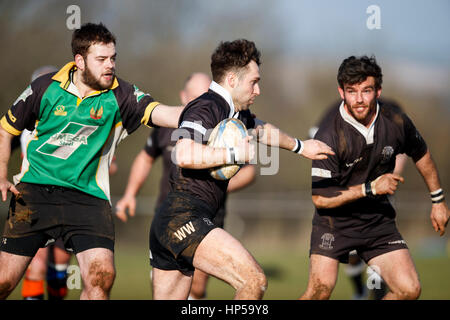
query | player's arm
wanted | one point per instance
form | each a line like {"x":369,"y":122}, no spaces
{"x":166,"y":116}
{"x":5,"y":152}
{"x":439,"y":210}
{"x":244,"y":177}
{"x":194,"y":155}
{"x":327,"y":197}
{"x":140,"y":169}
{"x":312,"y":149}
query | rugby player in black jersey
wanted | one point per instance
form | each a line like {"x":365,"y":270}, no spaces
{"x":182,"y":235}
{"x":351,"y":190}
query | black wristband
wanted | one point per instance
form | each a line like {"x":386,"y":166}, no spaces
{"x":368,"y":189}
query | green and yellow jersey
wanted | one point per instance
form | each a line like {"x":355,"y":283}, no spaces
{"x":74,"y":138}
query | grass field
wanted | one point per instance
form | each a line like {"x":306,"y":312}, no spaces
{"x":287,"y":272}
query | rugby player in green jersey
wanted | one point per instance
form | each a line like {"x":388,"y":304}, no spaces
{"x":77,"y":116}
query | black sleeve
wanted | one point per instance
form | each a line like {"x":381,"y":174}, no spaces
{"x":197,"y":120}
{"x":247,"y":118}
{"x":415,"y":146}
{"x":152,"y":146}
{"x":25,"y":110}
{"x":326,"y":174}
{"x":135,"y":106}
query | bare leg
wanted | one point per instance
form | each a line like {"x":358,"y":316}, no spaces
{"x":97,"y":272}
{"x":323,"y":273}
{"x":398,"y":271}
{"x":12,"y":268}
{"x":232,"y":263}
{"x":198,"y":287}
{"x":170,"y":284}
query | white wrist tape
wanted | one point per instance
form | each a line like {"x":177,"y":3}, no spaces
{"x":298,"y":148}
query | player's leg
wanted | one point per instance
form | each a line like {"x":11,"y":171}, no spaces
{"x":97,"y":273}
{"x":33,"y":282}
{"x":198,"y":287}
{"x":232,"y":263}
{"x":12,"y":268}
{"x":398,"y":271}
{"x":170,"y":284}
{"x":323,"y":273}
{"x":58,"y":262}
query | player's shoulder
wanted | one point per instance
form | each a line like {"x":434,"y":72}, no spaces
{"x":205,"y":103}
{"x":392,"y":112}
{"x":43,"y":82}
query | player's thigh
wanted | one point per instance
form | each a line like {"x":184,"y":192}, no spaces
{"x":170,"y":284}
{"x":12,"y":268}
{"x":397,"y":269}
{"x":230,"y":262}
{"x":323,"y":271}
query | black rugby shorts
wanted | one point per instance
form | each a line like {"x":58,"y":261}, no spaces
{"x":179,"y":225}
{"x":43,"y":213}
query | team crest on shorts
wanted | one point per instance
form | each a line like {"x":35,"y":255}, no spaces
{"x":386,"y":154}
{"x":327,"y":241}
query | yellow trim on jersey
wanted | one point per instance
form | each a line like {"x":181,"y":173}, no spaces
{"x":148,"y":112}
{"x":9,"y":128}
{"x":63,"y":76}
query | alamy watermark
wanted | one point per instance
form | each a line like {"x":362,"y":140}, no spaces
{"x":374,"y":20}
{"x":74,"y":20}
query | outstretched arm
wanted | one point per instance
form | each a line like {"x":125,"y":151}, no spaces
{"x":166,"y":116}
{"x":312,"y":149}
{"x":439,"y":210}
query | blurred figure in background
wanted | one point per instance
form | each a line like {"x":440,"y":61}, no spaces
{"x":158,"y":144}
{"x":356,"y":267}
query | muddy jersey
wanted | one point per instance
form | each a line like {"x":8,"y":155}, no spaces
{"x":362,"y":155}
{"x":73,"y":137}
{"x":197,"y":120}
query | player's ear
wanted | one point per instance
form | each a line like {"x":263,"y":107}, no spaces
{"x":231,"y":79}
{"x":378,"y":92}
{"x":341,"y":92}
{"x":79,"y":61}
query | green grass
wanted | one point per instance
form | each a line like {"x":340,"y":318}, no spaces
{"x":287,"y":272}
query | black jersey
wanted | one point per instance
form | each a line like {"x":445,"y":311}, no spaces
{"x":159,"y":143}
{"x":197,"y":120}
{"x":362,"y":155}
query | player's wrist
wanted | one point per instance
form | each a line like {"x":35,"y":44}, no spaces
{"x":368,"y":189}
{"x":437,"y":196}
{"x":298,"y":147}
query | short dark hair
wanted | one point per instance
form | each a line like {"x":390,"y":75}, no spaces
{"x":233,"y":55}
{"x":89,"y":34}
{"x":355,"y":70}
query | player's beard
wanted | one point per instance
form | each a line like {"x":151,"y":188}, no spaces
{"x":90,"y":80}
{"x":367,"y":116}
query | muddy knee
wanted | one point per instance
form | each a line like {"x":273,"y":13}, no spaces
{"x":319,"y":290}
{"x":409,"y":292}
{"x":101,"y":276}
{"x":5,"y":289}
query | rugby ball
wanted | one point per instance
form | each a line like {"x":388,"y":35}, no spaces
{"x":226,"y":134}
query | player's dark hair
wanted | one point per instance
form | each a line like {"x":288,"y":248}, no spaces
{"x":89,"y":34}
{"x":233,"y":55}
{"x":355,"y":70}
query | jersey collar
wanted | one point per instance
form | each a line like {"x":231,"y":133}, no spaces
{"x":217,"y":88}
{"x":63,"y":76}
{"x":366,"y":132}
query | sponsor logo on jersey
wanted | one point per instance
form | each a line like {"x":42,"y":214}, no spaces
{"x":96,"y":114}
{"x":25,"y":94}
{"x":67,"y":139}
{"x":327,"y":241}
{"x":60,"y":111}
{"x":184,"y":231}
{"x":348,"y":165}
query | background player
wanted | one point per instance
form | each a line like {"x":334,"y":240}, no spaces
{"x":351,"y":189}
{"x":160,"y":144}
{"x":356,"y":267}
{"x":80,"y":113}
